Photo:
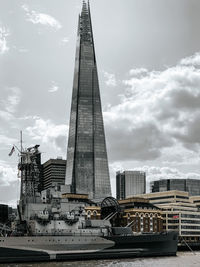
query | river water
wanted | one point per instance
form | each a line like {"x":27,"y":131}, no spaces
{"x":183,"y":259}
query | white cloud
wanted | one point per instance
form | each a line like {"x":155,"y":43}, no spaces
{"x":8,"y":174}
{"x":41,"y":18}
{"x":10,"y":190}
{"x":3,"y":40}
{"x":12,"y":100}
{"x":157,"y":173}
{"x":110,"y":79}
{"x":48,"y":133}
{"x":192,"y":60}
{"x":138,"y":72}
{"x":8,"y":141}
{"x":6,"y":116}
{"x":159,"y":110}
{"x":54,"y":87}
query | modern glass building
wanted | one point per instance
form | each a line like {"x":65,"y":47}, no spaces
{"x":130,"y":183}
{"x":192,"y":186}
{"x":87,"y":165}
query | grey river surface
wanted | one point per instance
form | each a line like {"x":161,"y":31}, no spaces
{"x":183,"y":259}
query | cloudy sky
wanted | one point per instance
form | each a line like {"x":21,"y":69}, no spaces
{"x":148,"y":55}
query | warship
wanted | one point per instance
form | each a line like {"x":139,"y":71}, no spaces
{"x":97,"y":241}
{"x":52,"y":226}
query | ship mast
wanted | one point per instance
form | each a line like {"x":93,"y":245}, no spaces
{"x":21,"y":141}
{"x":30,"y":168}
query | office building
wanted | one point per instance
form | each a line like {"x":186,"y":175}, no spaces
{"x":87,"y":164}
{"x":179,"y":212}
{"x":192,"y":186}
{"x":54,"y":172}
{"x":195,"y":200}
{"x":130,"y":183}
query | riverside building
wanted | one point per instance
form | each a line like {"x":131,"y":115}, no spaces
{"x":135,"y":212}
{"x":179,"y":212}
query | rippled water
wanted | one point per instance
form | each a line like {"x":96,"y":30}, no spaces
{"x":183,"y":259}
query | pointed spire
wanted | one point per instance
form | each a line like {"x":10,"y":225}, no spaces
{"x":85,"y":23}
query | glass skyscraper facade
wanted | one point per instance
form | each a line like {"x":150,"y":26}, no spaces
{"x":192,"y":186}
{"x":130,"y":183}
{"x":87,"y":164}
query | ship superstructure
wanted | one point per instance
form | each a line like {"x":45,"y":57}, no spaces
{"x":30,"y":173}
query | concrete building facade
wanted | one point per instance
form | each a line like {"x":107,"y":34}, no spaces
{"x":130,"y":183}
{"x":53,"y":173}
{"x":138,"y":213}
{"x":180,"y":213}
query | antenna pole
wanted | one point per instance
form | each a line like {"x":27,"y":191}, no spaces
{"x":21,"y":141}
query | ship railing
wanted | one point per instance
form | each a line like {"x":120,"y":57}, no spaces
{"x":97,"y":233}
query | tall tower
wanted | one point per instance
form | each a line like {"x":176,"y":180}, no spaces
{"x":87,"y":164}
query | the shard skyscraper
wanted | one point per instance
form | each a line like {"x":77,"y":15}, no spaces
{"x":87,"y":164}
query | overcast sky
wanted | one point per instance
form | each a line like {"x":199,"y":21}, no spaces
{"x":149,"y":71}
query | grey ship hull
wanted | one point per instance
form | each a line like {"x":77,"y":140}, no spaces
{"x":59,"y":248}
